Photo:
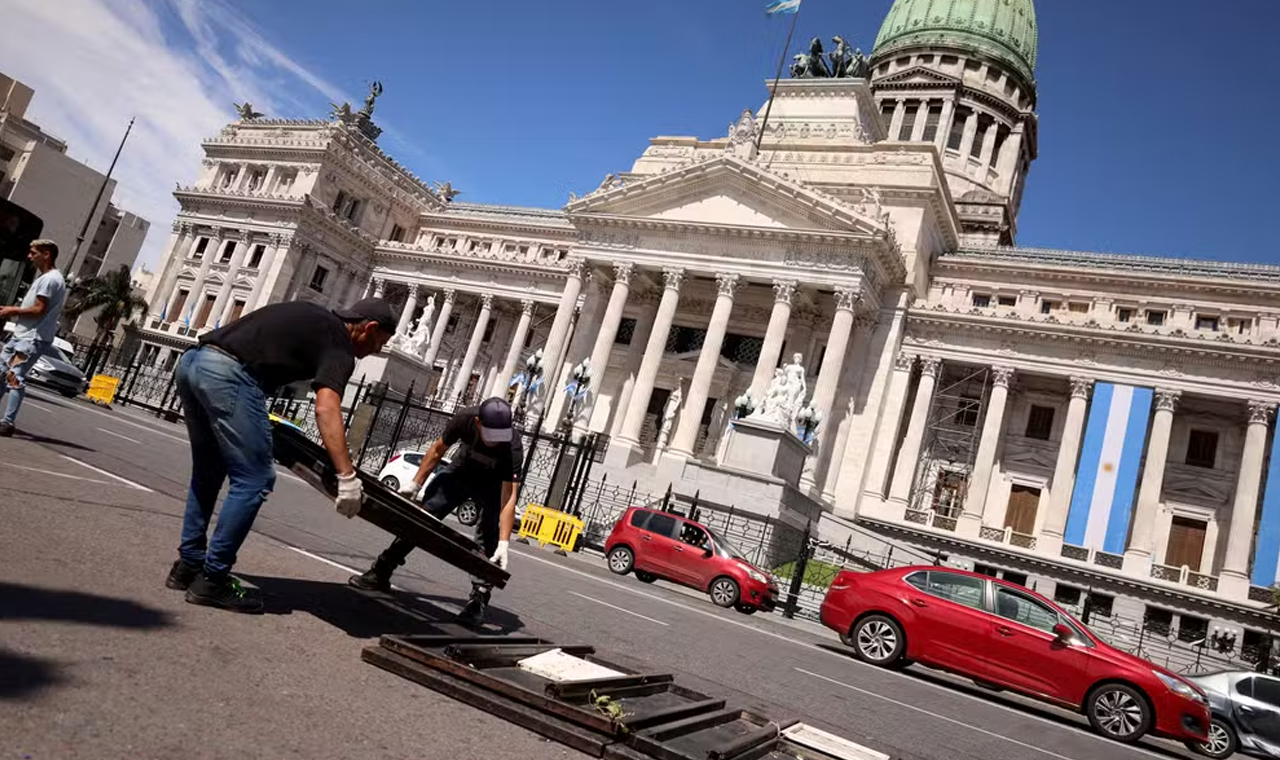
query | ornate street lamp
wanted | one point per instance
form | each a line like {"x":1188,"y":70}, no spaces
{"x":743,"y":406}
{"x":807,"y":421}
{"x":577,"y":389}
{"x":529,"y":381}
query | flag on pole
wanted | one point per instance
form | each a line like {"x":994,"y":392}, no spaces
{"x":782,"y":6}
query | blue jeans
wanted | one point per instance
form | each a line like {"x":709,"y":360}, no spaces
{"x":226,"y":414}
{"x":17,"y":357}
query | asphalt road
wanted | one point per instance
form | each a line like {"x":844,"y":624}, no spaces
{"x":785,"y":668}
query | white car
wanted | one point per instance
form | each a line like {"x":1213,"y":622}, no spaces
{"x":404,"y":465}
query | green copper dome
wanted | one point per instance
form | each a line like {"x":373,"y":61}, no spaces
{"x":1003,"y":29}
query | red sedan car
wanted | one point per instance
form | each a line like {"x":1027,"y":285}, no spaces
{"x":1004,"y":636}
{"x":662,"y":545}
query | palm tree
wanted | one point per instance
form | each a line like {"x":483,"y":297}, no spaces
{"x":112,"y":295}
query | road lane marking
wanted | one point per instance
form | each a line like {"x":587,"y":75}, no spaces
{"x":619,"y":609}
{"x":126,"y":481}
{"x":328,"y":561}
{"x":953,"y":721}
{"x":117,"y":435}
{"x":291,"y":476}
{"x":119,"y":418}
{"x":55,"y":474}
{"x":38,"y":407}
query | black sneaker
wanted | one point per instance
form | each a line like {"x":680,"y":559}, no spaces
{"x":181,"y":575}
{"x":226,"y":594}
{"x":6,"y":429}
{"x":373,"y":579}
{"x":472,"y":616}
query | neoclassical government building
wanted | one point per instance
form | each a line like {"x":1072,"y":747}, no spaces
{"x":1101,"y":424}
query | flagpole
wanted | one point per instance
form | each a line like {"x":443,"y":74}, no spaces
{"x":773,"y":91}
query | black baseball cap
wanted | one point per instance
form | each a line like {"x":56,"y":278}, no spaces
{"x":370,"y":310}
{"x":495,"y":420}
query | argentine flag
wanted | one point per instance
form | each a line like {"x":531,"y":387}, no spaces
{"x":1110,"y":459}
{"x":782,"y":6}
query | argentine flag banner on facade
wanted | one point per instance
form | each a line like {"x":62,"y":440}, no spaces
{"x":1110,"y":460}
{"x":782,"y":6}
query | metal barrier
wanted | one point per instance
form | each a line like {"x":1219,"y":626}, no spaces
{"x":102,"y":389}
{"x":547,"y":526}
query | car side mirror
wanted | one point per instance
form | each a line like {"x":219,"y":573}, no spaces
{"x":707,"y":552}
{"x":1063,"y":632}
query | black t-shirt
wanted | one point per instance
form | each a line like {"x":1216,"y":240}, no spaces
{"x":503,"y":460}
{"x":287,"y":342}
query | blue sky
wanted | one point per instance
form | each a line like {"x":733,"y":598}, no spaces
{"x":1158,"y":123}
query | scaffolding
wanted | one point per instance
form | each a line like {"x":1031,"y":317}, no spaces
{"x":941,"y":484}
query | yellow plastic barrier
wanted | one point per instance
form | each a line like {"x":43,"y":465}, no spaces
{"x":102,"y":389}
{"x":547,"y":526}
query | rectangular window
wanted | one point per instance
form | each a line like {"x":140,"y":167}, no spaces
{"x":948,"y":493}
{"x":340,"y":202}
{"x":1202,"y":448}
{"x":255,"y":258}
{"x":318,"y":277}
{"x":256,"y":178}
{"x":1206,"y":322}
{"x":1007,"y":300}
{"x":955,"y":137}
{"x":397,"y":233}
{"x":960,"y":589}
{"x":237,"y":308}
{"x":201,"y":246}
{"x":1012,"y":577}
{"x":931,"y":121}
{"x":1192,"y":629}
{"x":1239,"y":326}
{"x":987,"y":570}
{"x":1099,"y":604}
{"x":1157,"y":621}
{"x":967,"y":411}
{"x":1124,"y":315}
{"x":975,"y":150}
{"x":451,"y":244}
{"x":1040,"y":422}
{"x":908,"y":121}
{"x":353,"y":209}
{"x":1155,"y":317}
{"x":1078,"y":307}
{"x":1020,"y":608}
{"x":1048,"y":306}
{"x":287,"y":178}
{"x":662,"y":525}
{"x":981,"y":300}
{"x":228,"y":250}
{"x":205,"y":310}
{"x":886,"y":112}
{"x":1067,"y":596}
{"x":626,"y":331}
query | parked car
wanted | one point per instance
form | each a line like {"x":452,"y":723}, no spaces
{"x":662,"y":545}
{"x":1004,"y":636}
{"x":54,"y":370}
{"x":404,"y":465}
{"x":1245,"y":710}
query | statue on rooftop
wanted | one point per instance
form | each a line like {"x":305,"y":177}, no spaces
{"x":246,"y":111}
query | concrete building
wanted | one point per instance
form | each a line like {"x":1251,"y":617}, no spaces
{"x":1099,"y":425}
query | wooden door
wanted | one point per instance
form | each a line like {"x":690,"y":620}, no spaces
{"x":1186,"y":543}
{"x":1021,"y":513}
{"x":203,"y":319}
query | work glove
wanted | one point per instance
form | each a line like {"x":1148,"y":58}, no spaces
{"x":411,"y":490}
{"x":499,"y":557}
{"x":350,"y":495}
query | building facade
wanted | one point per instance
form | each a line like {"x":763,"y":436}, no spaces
{"x":1102,"y":426}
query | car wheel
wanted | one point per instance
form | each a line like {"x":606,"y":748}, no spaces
{"x":1118,"y":712}
{"x":392,"y":482}
{"x":879,"y":640}
{"x":724,"y":591}
{"x":1222,"y":741}
{"x":468,"y":514}
{"x":644,"y":577}
{"x":745,"y":609}
{"x":621,"y":560}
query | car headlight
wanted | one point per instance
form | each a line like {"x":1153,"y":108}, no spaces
{"x":756,"y":575}
{"x":1179,"y":686}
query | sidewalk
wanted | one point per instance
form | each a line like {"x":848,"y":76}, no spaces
{"x":99,"y":660}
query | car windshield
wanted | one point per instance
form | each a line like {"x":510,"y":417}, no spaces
{"x":56,"y":354}
{"x":724,"y":548}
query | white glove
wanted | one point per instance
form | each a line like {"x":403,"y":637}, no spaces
{"x":410,"y":490}
{"x":499,"y":557}
{"x":350,"y":495}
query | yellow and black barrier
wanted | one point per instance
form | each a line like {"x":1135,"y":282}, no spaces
{"x":547,"y":526}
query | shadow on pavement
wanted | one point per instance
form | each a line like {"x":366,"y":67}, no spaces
{"x":33,"y":603}
{"x":370,"y":614}
{"x":22,"y":676}
{"x":54,"y":441}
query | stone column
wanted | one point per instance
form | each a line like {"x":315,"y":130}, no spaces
{"x":774,"y":336}
{"x":654,"y":350}
{"x":180,"y":241}
{"x":887,"y":428}
{"x":899,"y":113}
{"x":559,"y":334}
{"x":1234,"y":581}
{"x":1137,"y":558}
{"x":989,"y":143}
{"x":1064,"y":471}
{"x":686,"y":435}
{"x":473,"y":347}
{"x":922,"y":116}
{"x":635,"y":355}
{"x":380,"y":287}
{"x":603,"y":346}
{"x":988,"y":445}
{"x":437,"y":332}
{"x":944,"y":125}
{"x":824,"y":391}
{"x":904,"y":472}
{"x":970,"y":134}
{"x":406,"y":316}
{"x":503,"y":380}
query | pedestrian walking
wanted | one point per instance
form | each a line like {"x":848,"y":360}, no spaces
{"x":485,"y":471}
{"x":35,"y":325}
{"x":223,"y":384}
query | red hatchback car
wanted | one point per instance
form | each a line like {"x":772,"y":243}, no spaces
{"x":662,"y":545}
{"x":1004,"y":636}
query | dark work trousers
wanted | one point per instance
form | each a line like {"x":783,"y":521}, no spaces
{"x":448,"y":490}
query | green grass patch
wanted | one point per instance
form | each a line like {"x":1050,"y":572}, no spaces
{"x":816,"y":573}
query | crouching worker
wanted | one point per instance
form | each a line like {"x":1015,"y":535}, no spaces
{"x":485,"y":471}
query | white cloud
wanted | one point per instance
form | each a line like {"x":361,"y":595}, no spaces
{"x":94,"y":64}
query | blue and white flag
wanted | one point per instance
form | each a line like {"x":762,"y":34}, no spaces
{"x":1110,"y":460}
{"x":1266,"y":555}
{"x":782,"y":6}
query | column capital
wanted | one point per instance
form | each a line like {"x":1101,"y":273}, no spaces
{"x":904,"y":361}
{"x":672,"y":278}
{"x":1080,"y":387}
{"x":783,"y":290}
{"x":379,"y":287}
{"x":1001,"y":376}
{"x":486,"y":301}
{"x":1167,"y":399}
{"x":726,"y":284}
{"x":450,"y":295}
{"x":576,"y":267}
{"x":527,"y":305}
{"x":929,"y":365}
{"x":622,"y":271}
{"x":1260,"y":412}
{"x":847,"y":297}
